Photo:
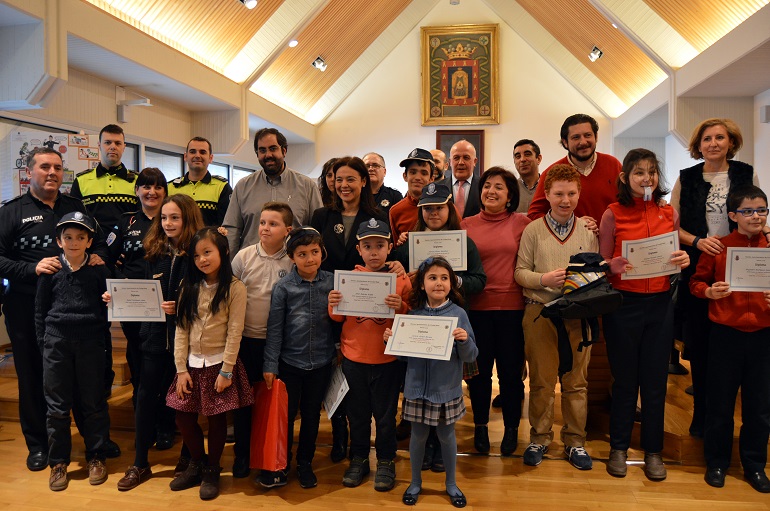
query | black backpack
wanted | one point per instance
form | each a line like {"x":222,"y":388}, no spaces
{"x":586,"y":295}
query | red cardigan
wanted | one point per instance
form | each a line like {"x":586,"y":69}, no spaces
{"x":744,"y":311}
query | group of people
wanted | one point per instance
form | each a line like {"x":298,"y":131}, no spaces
{"x":248,"y":289}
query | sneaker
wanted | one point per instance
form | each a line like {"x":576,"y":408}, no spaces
{"x":209,"y":482}
{"x":181,"y":465}
{"x":97,"y":472}
{"x":385,"y":477}
{"x":357,"y":470}
{"x":579,"y":458}
{"x":616,"y":465}
{"x":134,"y":477}
{"x":274,"y":479}
{"x":533,"y":454}
{"x":307,"y":478}
{"x":654,"y":468}
{"x":189,"y":478}
{"x":58,"y":480}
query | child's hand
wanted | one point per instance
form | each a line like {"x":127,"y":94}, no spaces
{"x":222,"y":383}
{"x":718,"y":290}
{"x":396,"y":267}
{"x":386,"y":335}
{"x":554,"y":279}
{"x":335,"y":297}
{"x":184,"y":385}
{"x":106,"y":297}
{"x":680,"y":258}
{"x":459,"y":334}
{"x":402,"y":238}
{"x":168,"y":307}
{"x":393,"y":301}
{"x":619,"y":265}
{"x":767,"y":297}
{"x":95,"y":260}
{"x":269,"y":378}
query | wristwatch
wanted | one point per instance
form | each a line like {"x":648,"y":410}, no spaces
{"x":225,"y":374}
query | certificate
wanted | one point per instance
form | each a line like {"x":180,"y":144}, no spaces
{"x":422,"y":337}
{"x":338,"y":387}
{"x":135,"y":300}
{"x":651,"y":257}
{"x":364,"y":292}
{"x":451,"y":245}
{"x":748,"y":269}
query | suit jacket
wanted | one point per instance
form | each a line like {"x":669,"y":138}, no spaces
{"x":473,"y":198}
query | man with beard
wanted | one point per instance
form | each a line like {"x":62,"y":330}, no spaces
{"x":598,"y":171}
{"x":275,"y":182}
{"x":527,"y":158}
{"x":442,"y":164}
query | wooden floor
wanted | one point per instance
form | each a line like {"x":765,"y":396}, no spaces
{"x":489,"y":482}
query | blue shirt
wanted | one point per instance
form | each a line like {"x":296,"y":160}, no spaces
{"x":299,"y":327}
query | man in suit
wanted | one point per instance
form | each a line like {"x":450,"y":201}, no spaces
{"x":462,"y":182}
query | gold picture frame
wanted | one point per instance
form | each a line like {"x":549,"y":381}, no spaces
{"x":460,"y":75}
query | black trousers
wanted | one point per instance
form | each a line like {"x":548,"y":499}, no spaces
{"x":306,"y":389}
{"x":696,"y":325}
{"x":373,"y":392}
{"x":500,"y":338}
{"x":738,"y":360}
{"x":133,"y":354}
{"x":157,"y":374}
{"x":252,"y":354}
{"x":638,"y":346}
{"x":19,"y":311}
{"x":74,"y":367}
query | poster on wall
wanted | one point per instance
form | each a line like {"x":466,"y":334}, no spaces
{"x":77,"y":155}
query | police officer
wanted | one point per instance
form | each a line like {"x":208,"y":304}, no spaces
{"x":108,"y":189}
{"x":384,"y":196}
{"x":211,"y":193}
{"x":27,"y":249}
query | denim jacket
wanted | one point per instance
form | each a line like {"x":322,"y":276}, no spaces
{"x":299,"y":327}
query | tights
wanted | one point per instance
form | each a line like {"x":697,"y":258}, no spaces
{"x":187,"y":422}
{"x":446,"y":436}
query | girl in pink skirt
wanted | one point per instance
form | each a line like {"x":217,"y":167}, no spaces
{"x":210,"y":378}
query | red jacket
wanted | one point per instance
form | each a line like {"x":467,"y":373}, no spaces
{"x":744,"y":311}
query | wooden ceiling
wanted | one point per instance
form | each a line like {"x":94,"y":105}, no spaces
{"x":218,"y":34}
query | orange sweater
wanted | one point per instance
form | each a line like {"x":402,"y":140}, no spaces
{"x":361,"y":338}
{"x":747,"y":312}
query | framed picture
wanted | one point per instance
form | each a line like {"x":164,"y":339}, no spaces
{"x":445,"y":139}
{"x":460,"y":75}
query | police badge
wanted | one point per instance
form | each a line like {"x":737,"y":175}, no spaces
{"x":339,"y":229}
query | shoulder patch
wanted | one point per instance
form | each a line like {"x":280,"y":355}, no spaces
{"x":131,"y":176}
{"x":219,"y":177}
{"x":85,"y":172}
{"x":8,"y":201}
{"x":177,"y":181}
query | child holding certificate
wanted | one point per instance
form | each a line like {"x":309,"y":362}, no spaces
{"x":433,"y":388}
{"x":210,"y":379}
{"x":300,"y":346}
{"x":739,"y":350}
{"x":70,"y":321}
{"x":374,"y":378}
{"x":638,"y":343}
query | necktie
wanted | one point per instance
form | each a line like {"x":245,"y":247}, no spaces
{"x":460,"y":199}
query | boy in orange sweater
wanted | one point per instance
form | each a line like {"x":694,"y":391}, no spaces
{"x":741,"y":351}
{"x":373,"y":377}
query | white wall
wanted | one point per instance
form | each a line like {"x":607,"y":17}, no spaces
{"x":383,"y":113}
{"x":762,"y":142}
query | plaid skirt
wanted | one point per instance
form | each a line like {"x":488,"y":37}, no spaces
{"x":204,"y":398}
{"x":433,"y":414}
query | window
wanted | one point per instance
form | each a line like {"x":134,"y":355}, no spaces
{"x":171,"y":164}
{"x":220,"y":169}
{"x":239,"y":173}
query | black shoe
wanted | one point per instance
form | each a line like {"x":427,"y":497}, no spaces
{"x":37,"y":461}
{"x":403,"y":430}
{"x":497,"y":402}
{"x":758,"y":480}
{"x":164,"y":440}
{"x":510,"y":441}
{"x":410,"y":499}
{"x":189,"y":478}
{"x":481,"y":439}
{"x":690,"y":390}
{"x":339,"y":440}
{"x":241,"y":467}
{"x":715,"y":477}
{"x":110,"y":449}
{"x":305,"y":475}
{"x":458,"y":500}
{"x":677,"y":369}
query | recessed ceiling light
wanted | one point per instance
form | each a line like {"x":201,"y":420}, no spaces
{"x":319,"y":63}
{"x":614,"y":26}
{"x":250,"y":4}
{"x":595,"y":54}
{"x":293,"y":43}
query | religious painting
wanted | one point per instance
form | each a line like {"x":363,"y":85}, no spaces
{"x":445,"y":139}
{"x":460,"y":75}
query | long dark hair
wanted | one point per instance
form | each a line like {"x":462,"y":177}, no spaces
{"x":156,"y":242}
{"x":187,"y":308}
{"x":452,"y":223}
{"x":366,"y":202}
{"x":327,"y":196}
{"x":419,"y":298}
{"x":634,"y":156}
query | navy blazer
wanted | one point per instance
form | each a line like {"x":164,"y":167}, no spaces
{"x":472,"y":200}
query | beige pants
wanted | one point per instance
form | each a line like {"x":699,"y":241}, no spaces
{"x":541,"y":350}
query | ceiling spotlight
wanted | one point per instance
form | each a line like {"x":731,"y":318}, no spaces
{"x":250,"y":4}
{"x":319,"y":63}
{"x":293,"y":43}
{"x":454,"y":2}
{"x":595,"y":54}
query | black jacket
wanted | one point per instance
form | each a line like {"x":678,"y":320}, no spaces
{"x":169,"y":270}
{"x":341,"y":255}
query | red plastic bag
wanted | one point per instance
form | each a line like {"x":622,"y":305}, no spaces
{"x":269,"y":426}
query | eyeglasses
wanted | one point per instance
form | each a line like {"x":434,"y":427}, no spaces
{"x":750,"y":212}
{"x":374,"y":166}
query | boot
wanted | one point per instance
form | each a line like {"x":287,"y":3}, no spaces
{"x":189,"y":478}
{"x":339,"y":438}
{"x":210,"y":482}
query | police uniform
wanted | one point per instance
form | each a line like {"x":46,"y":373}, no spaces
{"x":211,"y":194}
{"x":106,"y":193}
{"x":27,"y":235}
{"x":386,"y":197}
